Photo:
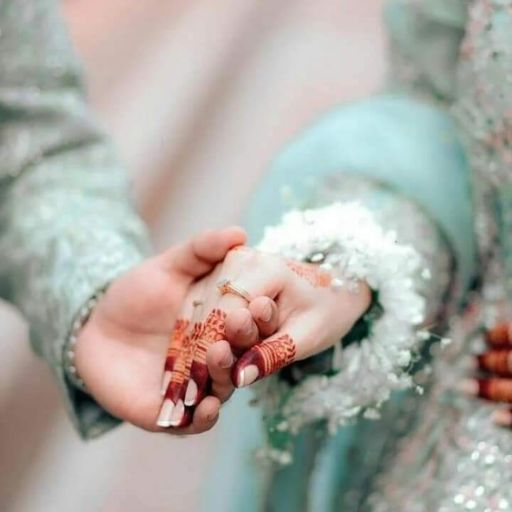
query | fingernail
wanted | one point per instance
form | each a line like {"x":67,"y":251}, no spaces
{"x":165,"y":382}
{"x":469,"y":387}
{"x":248,"y":375}
{"x":177,"y":414}
{"x":191,"y":393}
{"x":266,"y":313}
{"x":502,"y":417}
{"x":164,"y":418}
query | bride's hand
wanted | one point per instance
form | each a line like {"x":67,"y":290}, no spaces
{"x":312,"y":316}
{"x":495,"y":381}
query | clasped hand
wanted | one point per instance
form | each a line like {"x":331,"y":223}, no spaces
{"x":164,"y":347}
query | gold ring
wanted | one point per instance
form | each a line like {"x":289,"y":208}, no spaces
{"x":226,"y":286}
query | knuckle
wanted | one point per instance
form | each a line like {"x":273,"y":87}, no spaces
{"x":241,"y":255}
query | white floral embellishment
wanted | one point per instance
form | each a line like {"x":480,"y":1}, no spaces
{"x":369,"y":371}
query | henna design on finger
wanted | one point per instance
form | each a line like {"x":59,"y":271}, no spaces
{"x":181,"y":370}
{"x":176,"y":342}
{"x":263,"y":360}
{"x":495,"y":390}
{"x":173,"y":411}
{"x":189,"y":377}
{"x":213,"y":330}
{"x":496,"y":361}
{"x":499,"y":336}
{"x":314,"y":275}
{"x":176,"y":345}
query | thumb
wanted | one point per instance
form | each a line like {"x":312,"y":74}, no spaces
{"x":202,"y":253}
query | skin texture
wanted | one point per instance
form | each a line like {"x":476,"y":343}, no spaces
{"x":268,"y":358}
{"x":311,"y":316}
{"x":494,"y":382}
{"x":311,"y":273}
{"x":121,"y":350}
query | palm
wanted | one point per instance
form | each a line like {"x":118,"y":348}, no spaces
{"x":127,"y":338}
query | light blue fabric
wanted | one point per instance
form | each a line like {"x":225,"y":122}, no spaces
{"x":402,"y":142}
{"x":67,"y":224}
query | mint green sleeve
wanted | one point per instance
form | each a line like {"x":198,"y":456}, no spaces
{"x":393,"y":141}
{"x":405,"y":143}
{"x":405,"y":140}
{"x":67,"y":226}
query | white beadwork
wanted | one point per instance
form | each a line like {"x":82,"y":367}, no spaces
{"x":358,"y":247}
{"x":69,"y":347}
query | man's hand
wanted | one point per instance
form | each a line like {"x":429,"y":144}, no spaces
{"x":121,"y":349}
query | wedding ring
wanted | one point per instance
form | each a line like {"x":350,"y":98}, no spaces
{"x":226,"y":286}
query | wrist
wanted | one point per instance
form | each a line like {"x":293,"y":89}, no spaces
{"x":70,"y":363}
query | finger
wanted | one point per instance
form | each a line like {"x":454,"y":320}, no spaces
{"x":266,"y":315}
{"x":219,"y":305}
{"x":495,"y":390}
{"x":178,"y":362}
{"x":206,"y":414}
{"x":173,"y":406}
{"x":259,"y":318}
{"x":176,"y":345}
{"x":224,"y":300}
{"x":241,"y":329}
{"x":499,"y":336}
{"x":203,"y":418}
{"x":199,"y":256}
{"x":496,"y":361}
{"x":220,"y":359}
{"x":301,"y":336}
{"x":502,"y":418}
{"x":264,"y":359}
{"x":213,"y":330}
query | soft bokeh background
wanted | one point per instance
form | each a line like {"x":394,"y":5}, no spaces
{"x":199,"y":95}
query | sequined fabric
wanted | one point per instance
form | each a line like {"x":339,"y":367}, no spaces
{"x":443,"y":453}
{"x":413,"y":226}
{"x":338,"y":400}
{"x":455,"y":459}
{"x":66,"y":225}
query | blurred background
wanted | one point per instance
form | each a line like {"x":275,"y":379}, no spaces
{"x":199,"y":96}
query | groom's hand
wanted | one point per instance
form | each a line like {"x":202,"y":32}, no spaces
{"x":121,"y":349}
{"x":316,"y":308}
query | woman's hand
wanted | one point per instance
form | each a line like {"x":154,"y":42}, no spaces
{"x":311,"y":315}
{"x":495,"y":383}
{"x":121,"y":349}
